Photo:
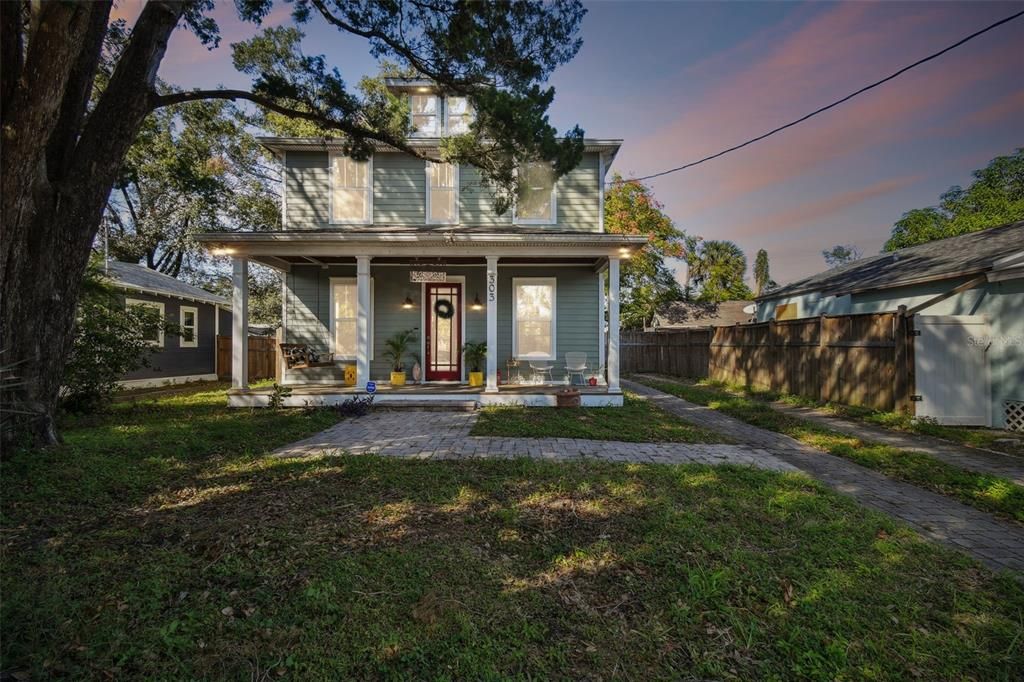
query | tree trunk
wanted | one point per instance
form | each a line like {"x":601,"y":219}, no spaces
{"x":56,"y":178}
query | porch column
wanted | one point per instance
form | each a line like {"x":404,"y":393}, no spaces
{"x":613,"y":325}
{"x":601,"y":338}
{"x":362,"y":320}
{"x":240,"y":323}
{"x":492,"y":324}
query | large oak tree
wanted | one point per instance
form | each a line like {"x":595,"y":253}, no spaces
{"x":70,"y":109}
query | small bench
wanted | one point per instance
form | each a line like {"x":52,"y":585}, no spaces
{"x":300,"y":356}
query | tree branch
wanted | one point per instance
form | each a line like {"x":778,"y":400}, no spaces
{"x":355,"y":131}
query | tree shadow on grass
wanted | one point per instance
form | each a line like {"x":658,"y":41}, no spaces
{"x":364,"y":567}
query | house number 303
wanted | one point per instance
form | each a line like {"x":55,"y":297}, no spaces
{"x":492,"y":286}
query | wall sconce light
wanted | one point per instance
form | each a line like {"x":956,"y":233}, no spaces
{"x":477,"y":305}
{"x":407,"y":304}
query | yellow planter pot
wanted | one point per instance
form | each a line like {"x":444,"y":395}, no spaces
{"x":476,"y":378}
{"x":398,"y":378}
{"x":350,"y":375}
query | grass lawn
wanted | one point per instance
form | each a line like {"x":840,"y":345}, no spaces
{"x":987,"y":492}
{"x":637,"y":421}
{"x":162,"y":543}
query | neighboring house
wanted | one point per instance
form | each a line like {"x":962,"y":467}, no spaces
{"x":370,"y":248}
{"x":690,"y":314}
{"x":967,"y":295}
{"x":200,"y":314}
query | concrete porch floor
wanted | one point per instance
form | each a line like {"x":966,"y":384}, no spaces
{"x":533,"y":395}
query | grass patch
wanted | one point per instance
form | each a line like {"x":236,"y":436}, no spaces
{"x":637,"y":421}
{"x":984,"y":491}
{"x":160,"y":543}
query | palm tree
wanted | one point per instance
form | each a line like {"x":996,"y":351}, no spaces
{"x":719,"y":268}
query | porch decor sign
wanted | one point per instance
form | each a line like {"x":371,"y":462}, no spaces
{"x":428,"y":276}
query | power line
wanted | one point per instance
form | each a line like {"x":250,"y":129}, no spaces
{"x":833,"y":104}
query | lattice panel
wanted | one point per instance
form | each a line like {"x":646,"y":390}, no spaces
{"x":1014,"y":415}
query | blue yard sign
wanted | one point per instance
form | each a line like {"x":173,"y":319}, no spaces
{"x":371,"y":386}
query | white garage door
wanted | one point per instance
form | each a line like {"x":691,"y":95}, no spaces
{"x":951,"y":368}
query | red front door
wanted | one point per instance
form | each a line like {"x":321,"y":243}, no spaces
{"x":443,"y":333}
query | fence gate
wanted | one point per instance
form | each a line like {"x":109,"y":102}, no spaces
{"x":951,"y":369}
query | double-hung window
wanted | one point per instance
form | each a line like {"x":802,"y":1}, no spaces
{"x":534,"y":304}
{"x":153,"y":332}
{"x":424,"y":110}
{"x":345,"y":318}
{"x":459,"y":114}
{"x":189,"y":323}
{"x":351,"y":190}
{"x":535,"y":204}
{"x":442,"y":193}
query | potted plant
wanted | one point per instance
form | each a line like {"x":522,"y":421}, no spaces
{"x":476,"y":355}
{"x":395,"y":350}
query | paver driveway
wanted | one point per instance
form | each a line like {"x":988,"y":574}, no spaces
{"x":445,"y":435}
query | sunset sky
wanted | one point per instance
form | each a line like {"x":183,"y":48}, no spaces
{"x":678,"y":81}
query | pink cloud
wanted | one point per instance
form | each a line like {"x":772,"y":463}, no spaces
{"x":821,"y":209}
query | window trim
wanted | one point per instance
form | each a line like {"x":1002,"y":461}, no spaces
{"x":447,"y":113}
{"x":368,"y":217}
{"x":551,"y":219}
{"x":159,"y":343}
{"x":332,"y":332}
{"x":440,"y":118}
{"x":455,"y":179}
{"x":182,"y":342}
{"x":553,"y":283}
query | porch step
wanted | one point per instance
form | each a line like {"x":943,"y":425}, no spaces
{"x":428,"y":405}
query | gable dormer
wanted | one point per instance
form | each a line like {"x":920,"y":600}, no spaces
{"x":432,"y":114}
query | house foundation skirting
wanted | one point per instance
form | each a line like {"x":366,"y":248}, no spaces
{"x":156,"y":382}
{"x":256,"y":398}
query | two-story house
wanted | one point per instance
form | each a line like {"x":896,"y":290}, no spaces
{"x":370,"y":248}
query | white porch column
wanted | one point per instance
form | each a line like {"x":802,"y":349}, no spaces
{"x":362,"y":320}
{"x":601,"y":317}
{"x":613,"y":326}
{"x":240,"y":323}
{"x":492,"y":324}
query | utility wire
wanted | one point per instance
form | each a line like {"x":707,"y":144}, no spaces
{"x":833,"y":104}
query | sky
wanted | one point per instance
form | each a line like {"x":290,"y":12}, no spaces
{"x":680,"y":80}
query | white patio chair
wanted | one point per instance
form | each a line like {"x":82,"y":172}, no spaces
{"x":540,"y":370}
{"x":576,"y":365}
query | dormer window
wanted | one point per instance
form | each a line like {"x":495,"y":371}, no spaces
{"x":460,"y":115}
{"x":425,"y":110}
{"x":536,"y":202}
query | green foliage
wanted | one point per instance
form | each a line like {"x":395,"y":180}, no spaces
{"x":719,"y":268}
{"x":996,"y":197}
{"x":763,"y":282}
{"x":396,"y":348}
{"x":841,"y":254}
{"x":109,"y":341}
{"x":646,"y":283}
{"x":476,"y":354}
{"x":277,"y":395}
{"x":264,"y":291}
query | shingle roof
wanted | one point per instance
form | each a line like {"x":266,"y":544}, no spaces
{"x":681,"y":314}
{"x":967,"y":254}
{"x":140,"y":278}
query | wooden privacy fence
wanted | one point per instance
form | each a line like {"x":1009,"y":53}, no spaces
{"x":851,"y":359}
{"x":262,"y":357}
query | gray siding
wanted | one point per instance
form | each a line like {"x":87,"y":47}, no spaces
{"x":172,"y":360}
{"x":576,"y":309}
{"x":399,"y":194}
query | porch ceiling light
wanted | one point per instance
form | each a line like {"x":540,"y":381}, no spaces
{"x":407,"y":303}
{"x":223,"y":251}
{"x":477,"y":305}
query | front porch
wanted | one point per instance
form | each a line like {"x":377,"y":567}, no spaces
{"x":545,"y":304}
{"x":529,"y":395}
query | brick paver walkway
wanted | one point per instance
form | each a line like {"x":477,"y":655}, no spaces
{"x":997,"y":543}
{"x":445,"y":435}
{"x":985,"y":461}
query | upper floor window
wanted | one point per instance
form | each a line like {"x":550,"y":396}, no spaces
{"x":351,"y":185}
{"x":425,"y":110}
{"x":442,"y":193}
{"x":460,"y":115}
{"x":536,"y":202}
